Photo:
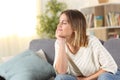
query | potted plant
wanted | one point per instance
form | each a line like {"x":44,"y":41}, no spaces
{"x":47,"y":22}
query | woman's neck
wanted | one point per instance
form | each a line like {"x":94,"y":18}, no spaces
{"x":73,"y":49}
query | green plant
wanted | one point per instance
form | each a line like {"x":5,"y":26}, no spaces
{"x":47,"y":22}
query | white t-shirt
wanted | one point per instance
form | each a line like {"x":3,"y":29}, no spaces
{"x":90,"y":59}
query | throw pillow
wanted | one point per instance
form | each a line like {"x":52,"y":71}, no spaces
{"x":4,"y":59}
{"x":41,"y":54}
{"x":27,"y":66}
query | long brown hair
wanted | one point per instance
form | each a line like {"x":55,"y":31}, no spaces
{"x":78,"y":23}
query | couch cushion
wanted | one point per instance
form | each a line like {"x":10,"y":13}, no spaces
{"x":47,"y":45}
{"x":113,"y":46}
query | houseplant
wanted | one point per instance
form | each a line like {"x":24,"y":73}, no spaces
{"x":47,"y":22}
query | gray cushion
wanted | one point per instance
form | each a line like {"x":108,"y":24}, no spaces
{"x":27,"y":66}
{"x":113,"y":46}
{"x":47,"y":45}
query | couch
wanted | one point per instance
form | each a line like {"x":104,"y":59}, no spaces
{"x":47,"y":45}
{"x":28,"y":65}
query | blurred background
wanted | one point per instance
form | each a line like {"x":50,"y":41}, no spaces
{"x":18,"y":22}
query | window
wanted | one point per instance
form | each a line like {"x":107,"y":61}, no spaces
{"x":17,"y":17}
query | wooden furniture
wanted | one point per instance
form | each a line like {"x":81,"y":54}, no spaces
{"x":103,"y":1}
{"x":103,"y":20}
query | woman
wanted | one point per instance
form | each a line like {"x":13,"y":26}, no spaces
{"x":74,"y":47}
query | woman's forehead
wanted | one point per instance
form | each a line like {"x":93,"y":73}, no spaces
{"x":63,"y":17}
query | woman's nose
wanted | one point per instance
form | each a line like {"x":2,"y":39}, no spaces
{"x":59,"y":25}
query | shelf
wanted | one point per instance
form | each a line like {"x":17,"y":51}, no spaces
{"x":103,"y":20}
{"x":110,"y":27}
{"x":102,"y":4}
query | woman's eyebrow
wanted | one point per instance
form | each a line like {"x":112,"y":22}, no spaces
{"x":63,"y":20}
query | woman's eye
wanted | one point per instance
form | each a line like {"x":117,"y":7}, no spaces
{"x":64,"y":23}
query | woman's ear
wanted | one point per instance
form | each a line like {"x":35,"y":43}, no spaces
{"x":75,"y":32}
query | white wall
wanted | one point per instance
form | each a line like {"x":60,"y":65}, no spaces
{"x":71,"y":4}
{"x":114,"y":1}
{"x":76,"y":4}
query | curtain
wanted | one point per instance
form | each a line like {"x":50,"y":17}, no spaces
{"x":17,"y":25}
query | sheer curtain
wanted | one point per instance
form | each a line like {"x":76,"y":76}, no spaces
{"x":17,"y":25}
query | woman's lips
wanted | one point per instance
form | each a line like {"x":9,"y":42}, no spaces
{"x":59,"y":29}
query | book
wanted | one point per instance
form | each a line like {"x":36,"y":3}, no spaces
{"x":98,"y":21}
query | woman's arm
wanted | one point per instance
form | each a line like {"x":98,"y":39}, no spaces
{"x":93,"y":76}
{"x":107,"y":63}
{"x":61,"y":61}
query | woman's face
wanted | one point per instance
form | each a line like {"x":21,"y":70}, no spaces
{"x":64,"y":29}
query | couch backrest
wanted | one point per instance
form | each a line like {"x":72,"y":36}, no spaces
{"x":47,"y":45}
{"x":113,"y":46}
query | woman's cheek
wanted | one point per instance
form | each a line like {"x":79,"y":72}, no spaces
{"x":56,"y":34}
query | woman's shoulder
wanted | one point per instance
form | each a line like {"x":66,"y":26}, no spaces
{"x":93,"y":39}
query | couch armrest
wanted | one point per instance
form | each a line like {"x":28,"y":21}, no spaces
{"x":47,"y":45}
{"x":113,"y":46}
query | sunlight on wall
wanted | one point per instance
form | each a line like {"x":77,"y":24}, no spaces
{"x":17,"y":26}
{"x":17,"y":17}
